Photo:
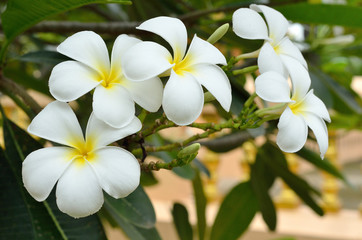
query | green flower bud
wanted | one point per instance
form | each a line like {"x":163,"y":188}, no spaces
{"x":189,"y":150}
{"x":218,"y":34}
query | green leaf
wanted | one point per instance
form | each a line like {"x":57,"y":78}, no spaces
{"x":323,"y":164}
{"x":148,"y":179}
{"x":235,"y":214}
{"x":54,"y":224}
{"x":21,"y":217}
{"x":261,"y":180}
{"x":349,"y":16}
{"x":181,"y":221}
{"x":132,"y":231}
{"x":227,"y":142}
{"x":200,"y":202}
{"x":22,"y":14}
{"x":344,"y":100}
{"x":43,"y":56}
{"x":135,"y":208}
{"x":277,"y":163}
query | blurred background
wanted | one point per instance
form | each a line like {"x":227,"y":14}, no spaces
{"x":329,"y":33}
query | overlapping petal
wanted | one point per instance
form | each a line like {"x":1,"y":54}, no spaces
{"x":313,"y":104}
{"x":113,"y":105}
{"x":215,"y":81}
{"x":42,"y":169}
{"x":58,"y":123}
{"x":79,"y":193}
{"x":320,"y":131}
{"x":299,"y":76}
{"x":121,"y":45}
{"x":286,"y":47}
{"x":70,"y":80}
{"x":268,"y":60}
{"x":118,"y":171}
{"x":272,"y":87}
{"x":201,"y":51}
{"x":293,"y":131}
{"x":88,"y":48}
{"x":148,"y":94}
{"x":146,"y":60}
{"x":249,"y":24}
{"x":100,"y":134}
{"x":277,"y":23}
{"x":170,"y":29}
{"x":183,"y":98}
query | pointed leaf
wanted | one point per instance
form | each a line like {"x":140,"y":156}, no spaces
{"x":43,"y":56}
{"x":235,"y":213}
{"x":181,"y":221}
{"x":135,"y":208}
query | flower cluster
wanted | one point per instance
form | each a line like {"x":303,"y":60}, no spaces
{"x":86,"y":165}
{"x":279,"y":58}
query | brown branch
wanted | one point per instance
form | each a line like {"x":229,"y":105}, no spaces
{"x":9,"y":87}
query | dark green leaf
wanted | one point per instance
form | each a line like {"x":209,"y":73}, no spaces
{"x":21,"y":217}
{"x":200,"y":201}
{"x":322,"y":164}
{"x":276,"y":161}
{"x":43,"y":56}
{"x":262,"y":179}
{"x":181,"y":221}
{"x":227,"y":142}
{"x":349,"y":16}
{"x":344,"y":100}
{"x":148,"y":179}
{"x":132,"y":231}
{"x":235,"y":213}
{"x":22,"y":14}
{"x":136,"y":208}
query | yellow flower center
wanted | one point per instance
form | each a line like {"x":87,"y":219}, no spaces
{"x":297,"y":107}
{"x":83,"y":151}
{"x":185,"y":65}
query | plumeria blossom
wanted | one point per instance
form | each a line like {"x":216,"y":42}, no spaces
{"x":84,"y":166}
{"x":303,"y":108}
{"x":114,"y":95}
{"x":183,"y":97}
{"x":247,"y":23}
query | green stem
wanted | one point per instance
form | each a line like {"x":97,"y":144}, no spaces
{"x":3,"y":50}
{"x":270,"y":110}
{"x":142,"y":115}
{"x":246,"y":70}
{"x":161,"y":165}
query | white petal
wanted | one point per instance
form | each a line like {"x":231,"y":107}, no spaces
{"x":272,"y":87}
{"x":100,"y":134}
{"x":215,"y":80}
{"x":292,"y":133}
{"x":42,"y":169}
{"x":147,"y":94}
{"x":58,"y":123}
{"x":113,"y":105}
{"x":145,"y":60}
{"x":313,"y":104}
{"x":277,"y":23}
{"x":78,"y":191}
{"x":201,"y":51}
{"x":320,"y":131}
{"x":249,"y":24}
{"x":118,"y":171}
{"x":89,"y":48}
{"x":183,"y":98}
{"x":120,"y":46}
{"x":286,"y":47}
{"x":268,"y":60}
{"x":299,"y":76}
{"x":170,"y":29}
{"x":70,"y":80}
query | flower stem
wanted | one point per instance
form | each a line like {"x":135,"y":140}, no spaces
{"x":246,"y":70}
{"x":276,"y":109}
{"x":254,"y":54}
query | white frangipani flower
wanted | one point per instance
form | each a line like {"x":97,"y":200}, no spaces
{"x":248,"y":24}
{"x":183,"y":97}
{"x":114,"y":95}
{"x":84,"y":166}
{"x":303,"y":108}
